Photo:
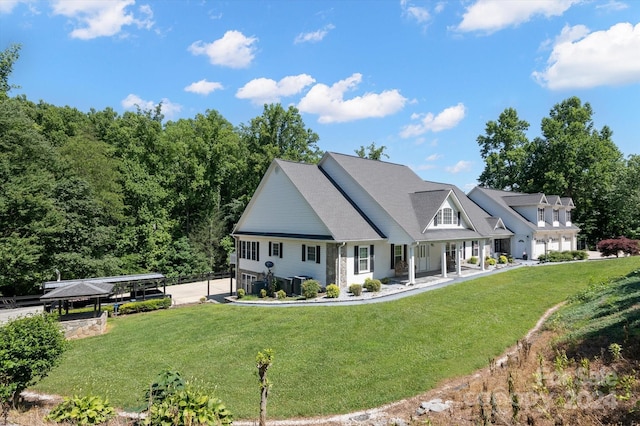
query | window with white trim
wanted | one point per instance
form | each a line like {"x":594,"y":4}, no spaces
{"x":363,"y":259}
{"x":556,"y":215}
{"x":475,"y":248}
{"x":310,"y":253}
{"x":568,"y":215}
{"x":246,"y":281}
{"x":275,"y":249}
{"x":540,"y":215}
{"x":447,"y":216}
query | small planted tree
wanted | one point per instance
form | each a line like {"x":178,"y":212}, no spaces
{"x":264,"y":361}
{"x":29,"y":348}
{"x":613,"y":247}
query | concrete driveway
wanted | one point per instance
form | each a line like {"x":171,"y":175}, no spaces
{"x":183,"y":294}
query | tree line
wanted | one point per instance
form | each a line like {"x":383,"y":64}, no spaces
{"x":100,"y":193}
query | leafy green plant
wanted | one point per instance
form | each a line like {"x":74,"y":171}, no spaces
{"x":355,"y":289}
{"x":616,"y":351}
{"x":263,"y":293}
{"x":502,"y":259}
{"x":29,"y":348}
{"x":281,"y":294}
{"x":310,"y":289}
{"x":490,"y":261}
{"x":241,"y":293}
{"x":88,"y":410}
{"x":188,"y":407}
{"x":473,"y":260}
{"x":165,"y":384}
{"x":372,"y":285}
{"x":333,"y":291}
{"x":385,"y":280}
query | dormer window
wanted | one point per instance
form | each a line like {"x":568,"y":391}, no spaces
{"x":447,"y":216}
{"x":556,"y":216}
{"x":568,"y":216}
{"x":540,"y":215}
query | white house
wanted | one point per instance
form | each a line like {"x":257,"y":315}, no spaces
{"x":348,"y":218}
{"x":540,"y":223}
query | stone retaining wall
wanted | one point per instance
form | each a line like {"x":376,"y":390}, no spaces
{"x":84,"y":327}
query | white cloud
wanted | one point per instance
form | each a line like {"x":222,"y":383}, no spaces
{"x":613,"y":6}
{"x":203,"y":87}
{"x":494,"y":15}
{"x":266,"y":90}
{"x":447,"y":119}
{"x":434,"y":157}
{"x":460,"y":166}
{"x":603,"y":58}
{"x":168,"y":108}
{"x":6,"y":6}
{"x":420,"y":14}
{"x":233,"y":50}
{"x":328,"y":102}
{"x":97,"y":18}
{"x":314,"y":36}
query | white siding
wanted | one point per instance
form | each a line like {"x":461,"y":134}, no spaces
{"x":279,"y":207}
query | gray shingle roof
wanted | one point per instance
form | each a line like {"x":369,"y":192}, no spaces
{"x":515,"y":199}
{"x":339,"y":215}
{"x":411,"y":201}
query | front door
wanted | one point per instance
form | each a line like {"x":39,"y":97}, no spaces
{"x":451,"y":256}
{"x":423,"y":258}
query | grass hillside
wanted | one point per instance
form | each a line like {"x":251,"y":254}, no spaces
{"x":333,"y":359}
{"x":583,"y":368}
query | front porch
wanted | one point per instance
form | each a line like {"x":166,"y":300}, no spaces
{"x":436,"y":276}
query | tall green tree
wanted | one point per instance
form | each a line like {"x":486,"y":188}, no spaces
{"x":503,"y":149}
{"x":8,"y":58}
{"x":372,"y":152}
{"x":277,"y":133}
{"x":29,"y":214}
{"x":574,"y":159}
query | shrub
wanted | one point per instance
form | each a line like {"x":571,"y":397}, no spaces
{"x":490,"y":261}
{"x":29,"y":348}
{"x":563,"y":256}
{"x":355,"y":289}
{"x":241,"y":293}
{"x":263,"y":293}
{"x":165,"y":384}
{"x":502,"y":259}
{"x":145,"y":306}
{"x":372,"y":285}
{"x":614,"y":246}
{"x":281,"y":294}
{"x":333,"y":291}
{"x":385,"y":280}
{"x":310,"y":289}
{"x":188,"y":406}
{"x":473,"y":260}
{"x":89,"y":410}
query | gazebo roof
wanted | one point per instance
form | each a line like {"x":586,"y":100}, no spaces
{"x":79,"y":289}
{"x":102,"y":280}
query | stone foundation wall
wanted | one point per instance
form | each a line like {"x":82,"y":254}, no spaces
{"x":84,"y":327}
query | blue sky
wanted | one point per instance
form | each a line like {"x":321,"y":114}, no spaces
{"x":419,"y":77}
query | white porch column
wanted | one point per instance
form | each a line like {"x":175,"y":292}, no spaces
{"x":443,"y":255}
{"x":459,"y":259}
{"x":412,"y":263}
{"x":482,"y":244}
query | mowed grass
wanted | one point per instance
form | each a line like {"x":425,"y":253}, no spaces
{"x":328,"y":360}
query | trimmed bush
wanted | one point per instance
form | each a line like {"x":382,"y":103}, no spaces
{"x":145,"y":306}
{"x":490,"y":261}
{"x":473,"y":260}
{"x":281,"y":294}
{"x":385,"y":280}
{"x":372,"y":285}
{"x":502,"y":259}
{"x":614,"y":246}
{"x":563,"y":256}
{"x":29,"y":348}
{"x":355,"y":289}
{"x":263,"y":293}
{"x":333,"y":291}
{"x":310,"y":289}
{"x":241,"y":293}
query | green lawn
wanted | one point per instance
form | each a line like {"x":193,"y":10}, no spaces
{"x":332,"y":359}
